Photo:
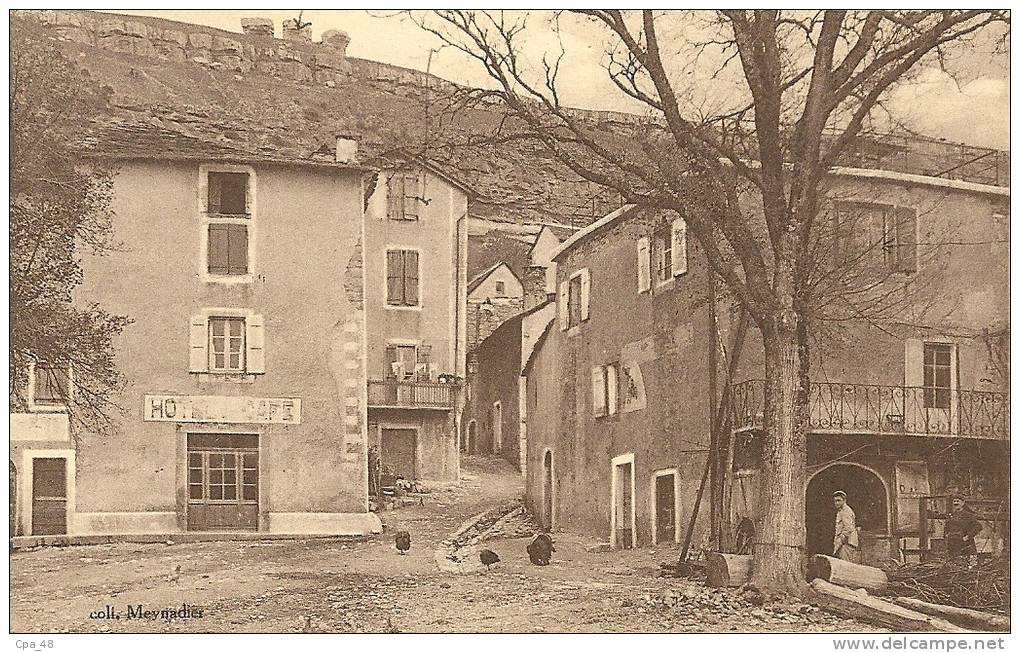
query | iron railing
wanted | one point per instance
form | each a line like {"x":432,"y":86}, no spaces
{"x":886,"y":409}
{"x":411,"y":394}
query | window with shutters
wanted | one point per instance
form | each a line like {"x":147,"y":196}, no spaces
{"x":574,"y":301}
{"x":49,"y":387}
{"x":574,"y":298}
{"x":401,"y":362}
{"x":402,"y":279}
{"x":938,"y":374}
{"x":405,"y":196}
{"x":228,"y":217}
{"x":226,"y":344}
{"x":868,"y":234}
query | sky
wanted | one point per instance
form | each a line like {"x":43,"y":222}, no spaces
{"x":972,"y":108}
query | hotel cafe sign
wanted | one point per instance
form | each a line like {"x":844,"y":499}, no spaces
{"x":206,"y":408}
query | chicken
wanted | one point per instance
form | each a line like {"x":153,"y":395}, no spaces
{"x":488,"y":557}
{"x":174,"y":577}
{"x":403,"y":541}
{"x":541,"y":549}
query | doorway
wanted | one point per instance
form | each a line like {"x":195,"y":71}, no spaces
{"x":397,"y":452}
{"x":664,"y":500}
{"x":472,"y":436}
{"x":865,"y":493}
{"x":547,"y":490}
{"x":223,"y":481}
{"x":623,"y":517}
{"x":49,"y":496}
{"x":497,"y":427}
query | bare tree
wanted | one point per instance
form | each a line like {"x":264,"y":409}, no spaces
{"x":748,"y":175}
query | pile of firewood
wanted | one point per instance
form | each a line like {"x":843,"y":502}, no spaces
{"x":981,"y":586}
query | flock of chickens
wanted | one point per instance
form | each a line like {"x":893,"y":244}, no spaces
{"x":540,"y":549}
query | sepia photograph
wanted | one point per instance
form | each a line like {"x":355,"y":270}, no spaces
{"x":505,"y":321}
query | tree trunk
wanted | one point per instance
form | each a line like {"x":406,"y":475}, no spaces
{"x":779,"y":549}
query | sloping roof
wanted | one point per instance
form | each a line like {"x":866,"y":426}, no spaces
{"x":595,"y":227}
{"x":483,"y":275}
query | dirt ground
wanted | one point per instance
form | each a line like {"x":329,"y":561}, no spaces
{"x":323,"y":585}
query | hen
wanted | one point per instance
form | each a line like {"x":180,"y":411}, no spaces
{"x":403,"y":541}
{"x":541,"y":549}
{"x":488,"y":557}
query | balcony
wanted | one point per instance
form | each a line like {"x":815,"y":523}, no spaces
{"x":854,"y":408}
{"x":412,"y":394}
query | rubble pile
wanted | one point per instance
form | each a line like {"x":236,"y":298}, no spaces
{"x":981,"y":586}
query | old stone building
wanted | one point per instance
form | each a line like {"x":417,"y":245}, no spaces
{"x":902,"y":412}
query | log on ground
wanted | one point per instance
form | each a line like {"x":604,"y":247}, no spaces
{"x":961,"y":616}
{"x":847,"y":574}
{"x":727,"y":569}
{"x":858,"y":605}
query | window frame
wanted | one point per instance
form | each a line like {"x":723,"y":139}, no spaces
{"x":936,"y":395}
{"x":247,"y":220}
{"x":36,"y":406}
{"x":228,"y":339}
{"x":662,"y":256}
{"x":386,"y":276}
{"x":574,"y":300}
{"x":610,"y":390}
{"x":253,"y":341}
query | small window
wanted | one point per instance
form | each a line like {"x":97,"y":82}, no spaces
{"x":405,"y":196}
{"x":605,"y":389}
{"x":228,"y":193}
{"x":663,"y":251}
{"x":401,"y":362}
{"x":228,"y":249}
{"x":52,"y":385}
{"x":500,"y":289}
{"x":938,"y":368}
{"x":226,"y":344}
{"x":402,"y":277}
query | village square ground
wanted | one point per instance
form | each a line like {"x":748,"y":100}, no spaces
{"x":326,"y":585}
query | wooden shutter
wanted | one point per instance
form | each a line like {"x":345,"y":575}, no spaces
{"x":411,"y":294}
{"x":237,"y":249}
{"x":199,"y":344}
{"x":598,"y":390}
{"x":217,"y":255}
{"x":678,"y":234}
{"x":391,"y":358}
{"x":612,"y":388}
{"x":644,"y":264}
{"x":562,"y":300}
{"x":255,"y":347}
{"x":585,"y":293}
{"x":913,"y":363}
{"x":215,"y":193}
{"x":906,"y":240}
{"x":394,"y":277}
{"x":395,"y":196}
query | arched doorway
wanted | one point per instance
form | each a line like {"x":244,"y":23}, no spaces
{"x":866,"y":494}
{"x":547,"y":490}
{"x":472,"y":436}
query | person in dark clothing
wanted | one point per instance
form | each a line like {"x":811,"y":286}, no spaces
{"x":961,"y":528}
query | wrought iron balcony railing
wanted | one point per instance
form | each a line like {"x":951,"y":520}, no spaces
{"x":883,"y":409}
{"x":411,"y":394}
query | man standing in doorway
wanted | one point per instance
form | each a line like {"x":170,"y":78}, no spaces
{"x":845,"y":543}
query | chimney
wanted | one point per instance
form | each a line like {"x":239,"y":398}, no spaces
{"x":346,"y":149}
{"x":291,"y":31}
{"x":258,"y":26}
{"x":337,"y":40}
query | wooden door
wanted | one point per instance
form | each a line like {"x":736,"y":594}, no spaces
{"x":49,"y":496}
{"x":665,"y":508}
{"x":397,"y":452}
{"x":223,"y":482}
{"x":624,"y":506}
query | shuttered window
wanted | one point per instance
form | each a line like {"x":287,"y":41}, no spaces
{"x":938,"y":368}
{"x":52,"y":385}
{"x":678,"y":248}
{"x":228,"y":249}
{"x":402,"y":277}
{"x":605,"y":382}
{"x":644,"y":264}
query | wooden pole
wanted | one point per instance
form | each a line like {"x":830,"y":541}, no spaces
{"x":715,"y":496}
